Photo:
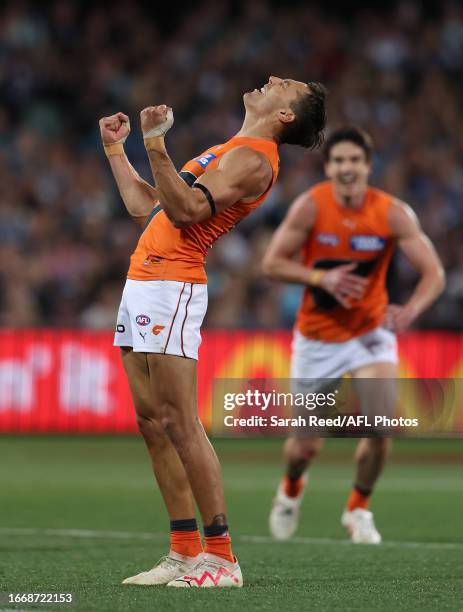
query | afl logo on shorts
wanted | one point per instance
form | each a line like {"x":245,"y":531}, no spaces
{"x":143,"y":320}
{"x":367,"y":243}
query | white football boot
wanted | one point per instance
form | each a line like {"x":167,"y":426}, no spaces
{"x":284,"y":515}
{"x":166,"y":569}
{"x":361,"y":526}
{"x":211,"y":572}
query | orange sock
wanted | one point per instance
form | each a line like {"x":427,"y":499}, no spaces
{"x":292,"y":488}
{"x":220,"y":546}
{"x":357,"y":500}
{"x":187,"y":543}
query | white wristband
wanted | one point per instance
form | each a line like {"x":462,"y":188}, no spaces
{"x":161,"y":129}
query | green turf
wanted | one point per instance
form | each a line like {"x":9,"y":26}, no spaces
{"x":104,"y":484}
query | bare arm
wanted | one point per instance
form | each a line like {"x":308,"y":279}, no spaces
{"x":420,"y":252}
{"x":241,"y":174}
{"x":138,"y":195}
{"x":279,"y":262}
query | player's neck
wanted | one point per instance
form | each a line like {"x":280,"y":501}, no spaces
{"x":349,"y":201}
{"x":255,"y":129}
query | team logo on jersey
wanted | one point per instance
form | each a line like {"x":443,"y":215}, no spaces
{"x":367,"y":243}
{"x":204,"y":160}
{"x":157,"y":329}
{"x":327,"y":239}
{"x":143,"y":320}
{"x":152,"y":259}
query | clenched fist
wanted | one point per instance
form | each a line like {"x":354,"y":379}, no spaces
{"x":156,"y":120}
{"x":114,"y":129}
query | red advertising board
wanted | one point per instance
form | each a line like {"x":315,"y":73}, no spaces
{"x":73,"y":381}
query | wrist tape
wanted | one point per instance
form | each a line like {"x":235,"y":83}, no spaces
{"x":316,"y":277}
{"x":114,"y":149}
{"x":161,"y":129}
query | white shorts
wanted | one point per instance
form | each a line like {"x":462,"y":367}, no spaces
{"x":313,"y":359}
{"x":161,"y":317}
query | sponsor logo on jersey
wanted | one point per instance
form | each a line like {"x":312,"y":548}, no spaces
{"x":367,"y":243}
{"x":143,"y":320}
{"x":327,"y":239}
{"x":157,"y":329}
{"x":204,"y":160}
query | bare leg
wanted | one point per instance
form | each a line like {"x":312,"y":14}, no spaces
{"x":167,"y":467}
{"x":298,"y":453}
{"x":174,"y":389}
{"x":371,"y":453}
{"x":370,"y":457}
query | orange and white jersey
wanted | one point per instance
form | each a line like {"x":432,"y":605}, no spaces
{"x":165,"y":252}
{"x":344,"y":235}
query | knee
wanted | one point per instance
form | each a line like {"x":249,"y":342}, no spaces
{"x":178,"y":428}
{"x":150,"y":428}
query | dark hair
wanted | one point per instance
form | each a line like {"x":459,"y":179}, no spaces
{"x":349,"y":133}
{"x":307,"y":128}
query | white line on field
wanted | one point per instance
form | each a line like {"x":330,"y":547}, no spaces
{"x":140,"y":535}
{"x":84,"y":533}
{"x":331,"y":541}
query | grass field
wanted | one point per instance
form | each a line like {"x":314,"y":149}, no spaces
{"x":80,"y":514}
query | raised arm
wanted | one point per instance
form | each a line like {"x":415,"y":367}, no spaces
{"x":280,"y":263}
{"x":420,"y":252}
{"x":241,"y":174}
{"x":138,"y":196}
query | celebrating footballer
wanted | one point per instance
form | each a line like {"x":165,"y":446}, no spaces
{"x":165,"y":299}
{"x":347,"y":232}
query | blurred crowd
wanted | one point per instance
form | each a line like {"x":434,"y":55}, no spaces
{"x":65,"y":238}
